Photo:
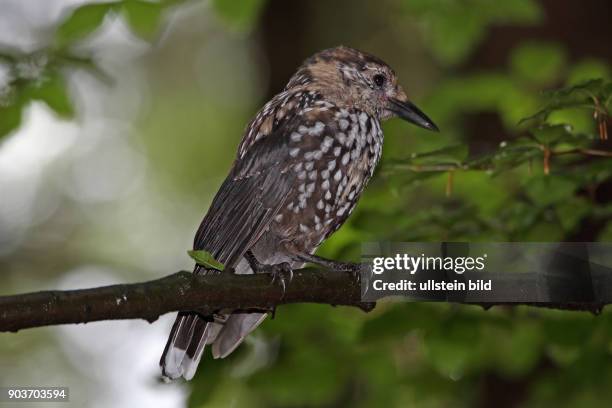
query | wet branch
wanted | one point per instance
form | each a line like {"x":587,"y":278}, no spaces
{"x":182,"y":291}
{"x":205,"y":294}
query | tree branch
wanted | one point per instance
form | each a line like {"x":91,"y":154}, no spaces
{"x":205,"y":294}
{"x":182,"y":291}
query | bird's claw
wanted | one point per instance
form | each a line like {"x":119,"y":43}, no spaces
{"x":283,"y":274}
{"x":278,"y":271}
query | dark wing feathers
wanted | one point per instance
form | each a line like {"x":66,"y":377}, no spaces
{"x":247,"y":201}
{"x":255,"y":190}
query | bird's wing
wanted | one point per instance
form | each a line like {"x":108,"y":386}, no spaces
{"x":255,"y":190}
{"x":248,"y":199}
{"x":244,"y":206}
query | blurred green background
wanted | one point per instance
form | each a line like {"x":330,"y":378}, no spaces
{"x":119,"y":120}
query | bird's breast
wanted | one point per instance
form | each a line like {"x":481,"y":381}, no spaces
{"x":332,"y":160}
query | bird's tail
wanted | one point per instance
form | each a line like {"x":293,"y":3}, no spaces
{"x":234,"y":331}
{"x":190,"y":334}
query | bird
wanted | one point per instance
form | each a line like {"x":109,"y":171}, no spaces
{"x":300,"y":169}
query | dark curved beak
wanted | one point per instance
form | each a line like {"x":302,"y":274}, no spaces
{"x":409,"y":112}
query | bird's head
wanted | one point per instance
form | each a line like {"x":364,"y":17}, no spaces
{"x":351,"y":78}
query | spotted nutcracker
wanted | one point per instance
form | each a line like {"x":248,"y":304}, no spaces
{"x":301,"y":167}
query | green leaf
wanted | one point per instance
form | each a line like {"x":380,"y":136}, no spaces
{"x":591,"y":87}
{"x":550,"y":135}
{"x":514,"y":153}
{"x":453,"y":28}
{"x":520,"y":349}
{"x":49,"y":88}
{"x":205,"y":259}
{"x":481,"y":92}
{"x":549,"y":190}
{"x":240,"y":14}
{"x":454,"y":35}
{"x":580,"y":119}
{"x":577,"y":96}
{"x":455,"y":154}
{"x":82,"y":22}
{"x":10,"y":118}
{"x":571,"y":211}
{"x":53,"y":91}
{"x":538,"y":63}
{"x":587,"y":69}
{"x":143,"y":17}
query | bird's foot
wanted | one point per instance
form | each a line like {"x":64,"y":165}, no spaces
{"x":282,"y":273}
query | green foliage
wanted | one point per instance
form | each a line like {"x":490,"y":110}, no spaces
{"x":240,"y":14}
{"x":594,"y":95}
{"x":10,"y":117}
{"x":412,"y":354}
{"x":143,"y":17}
{"x":83,"y":21}
{"x":453,"y":27}
{"x":51,"y":90}
{"x":32,"y":77}
{"x":539,"y":138}
{"x":487,"y":91}
{"x":39,"y":76}
{"x":538,"y":63}
{"x":544,"y":202}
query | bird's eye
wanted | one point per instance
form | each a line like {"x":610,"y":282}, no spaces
{"x":379,"y":80}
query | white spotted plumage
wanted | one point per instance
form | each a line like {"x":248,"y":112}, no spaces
{"x":332,"y":152}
